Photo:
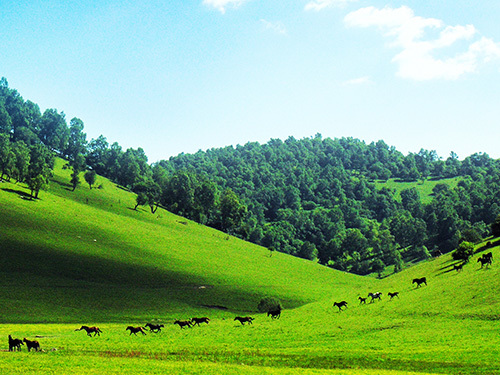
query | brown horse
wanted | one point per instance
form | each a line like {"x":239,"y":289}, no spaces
{"x":244,"y":319}
{"x":197,"y":321}
{"x":15,"y":344}
{"x":183,"y":323}
{"x":340,"y":304}
{"x":32,"y":344}
{"x":420,"y":281}
{"x":90,"y":330}
{"x":134,"y":330}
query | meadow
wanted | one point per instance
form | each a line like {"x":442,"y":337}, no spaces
{"x":86,"y":257}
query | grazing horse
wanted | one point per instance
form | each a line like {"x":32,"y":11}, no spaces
{"x":420,"y":281}
{"x":485,"y":260}
{"x":15,"y":344}
{"x":275,"y":313}
{"x":340,"y":304}
{"x":392,"y":295}
{"x":197,"y":321}
{"x":374,"y":296}
{"x":90,"y":330}
{"x":154,"y":327}
{"x":183,"y":323}
{"x":362,"y":300}
{"x":244,"y":319}
{"x":458,"y":267}
{"x":32,"y":344}
{"x":134,"y":330}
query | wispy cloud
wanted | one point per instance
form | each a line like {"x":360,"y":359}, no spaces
{"x":277,"y":27}
{"x":417,"y":60}
{"x":321,"y":4}
{"x":357,"y":81}
{"x":221,"y":5}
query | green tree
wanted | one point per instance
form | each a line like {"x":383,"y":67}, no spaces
{"x":22,"y":161}
{"x":40,"y":168}
{"x":495,"y":227}
{"x":90,"y":177}
{"x":6,"y":156}
{"x":54,"y":132}
{"x":231,"y":210}
{"x":464,"y":251}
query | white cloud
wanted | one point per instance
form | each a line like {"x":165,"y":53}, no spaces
{"x":417,"y":57}
{"x":357,"y":81}
{"x":277,"y":27}
{"x":321,"y":4}
{"x":221,"y":5}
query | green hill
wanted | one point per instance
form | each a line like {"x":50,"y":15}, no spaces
{"x":72,"y":258}
{"x":87,"y":254}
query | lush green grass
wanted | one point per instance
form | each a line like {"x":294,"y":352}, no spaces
{"x":68,"y":262}
{"x":424,"y":187}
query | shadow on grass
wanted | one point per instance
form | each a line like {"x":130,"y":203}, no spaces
{"x":22,"y":194}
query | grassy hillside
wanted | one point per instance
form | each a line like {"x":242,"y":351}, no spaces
{"x":424,"y":187}
{"x":88,"y":255}
{"x":68,"y":261}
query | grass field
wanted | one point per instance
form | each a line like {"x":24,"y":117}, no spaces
{"x":87,"y":257}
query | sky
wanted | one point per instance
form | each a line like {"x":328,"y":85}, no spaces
{"x":182,"y":76}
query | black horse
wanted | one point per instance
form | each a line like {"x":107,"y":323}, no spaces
{"x":197,"y":321}
{"x":374,"y":296}
{"x":274,"y":313}
{"x":340,"y":304}
{"x":244,"y":319}
{"x":392,"y":295}
{"x":134,"y":330}
{"x":183,"y":323}
{"x":485,"y":260}
{"x":458,"y":267}
{"x":420,"y":281}
{"x":15,"y":344}
{"x":154,"y":327}
{"x":362,"y":300}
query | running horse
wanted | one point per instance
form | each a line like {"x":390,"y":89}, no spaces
{"x":134,"y":330}
{"x":340,"y":304}
{"x":420,"y":281}
{"x":374,"y":296}
{"x":154,"y":327}
{"x":90,"y":330}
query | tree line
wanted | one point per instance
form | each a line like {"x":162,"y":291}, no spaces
{"x":313,"y":198}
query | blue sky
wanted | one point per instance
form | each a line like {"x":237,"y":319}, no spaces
{"x":180,"y":76}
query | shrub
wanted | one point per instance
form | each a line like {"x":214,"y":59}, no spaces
{"x":268,"y":304}
{"x":464,"y":251}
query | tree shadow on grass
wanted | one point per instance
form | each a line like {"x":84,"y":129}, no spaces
{"x":21,"y":193}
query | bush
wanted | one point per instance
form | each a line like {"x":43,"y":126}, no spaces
{"x":268,"y":304}
{"x":464,"y":251}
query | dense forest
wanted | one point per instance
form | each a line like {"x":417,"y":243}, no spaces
{"x":315,"y":198}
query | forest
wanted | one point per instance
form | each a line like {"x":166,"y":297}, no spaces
{"x":317,"y":198}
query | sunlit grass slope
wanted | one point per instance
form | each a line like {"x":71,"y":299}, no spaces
{"x":71,"y":256}
{"x":424,"y":188}
{"x":450,"y":326}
